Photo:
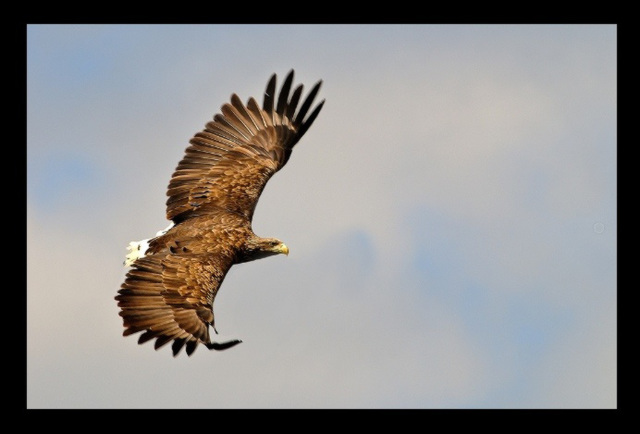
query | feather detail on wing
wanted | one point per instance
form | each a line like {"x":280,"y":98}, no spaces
{"x":228,"y":164}
{"x":170,"y":298}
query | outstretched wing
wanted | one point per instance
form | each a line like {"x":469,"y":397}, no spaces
{"x":170,"y":297}
{"x":228,"y":164}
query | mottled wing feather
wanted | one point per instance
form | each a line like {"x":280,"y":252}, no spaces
{"x":170,"y":298}
{"x":228,"y":164}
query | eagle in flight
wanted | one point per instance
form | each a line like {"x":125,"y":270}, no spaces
{"x":169,"y":291}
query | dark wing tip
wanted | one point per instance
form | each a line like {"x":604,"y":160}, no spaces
{"x":306,"y":105}
{"x":283,"y":98}
{"x":191,"y":347}
{"x":269,"y":94}
{"x":312,"y":117}
{"x":177,"y":346}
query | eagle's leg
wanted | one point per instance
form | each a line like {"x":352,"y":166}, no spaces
{"x":223,"y":345}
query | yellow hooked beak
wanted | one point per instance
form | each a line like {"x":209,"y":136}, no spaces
{"x":282,"y":248}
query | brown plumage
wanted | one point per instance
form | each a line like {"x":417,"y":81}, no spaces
{"x":168,"y":293}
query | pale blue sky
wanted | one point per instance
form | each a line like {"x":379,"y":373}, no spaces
{"x":444,"y":215}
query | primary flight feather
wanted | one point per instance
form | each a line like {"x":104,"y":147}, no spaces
{"x":168,"y":293}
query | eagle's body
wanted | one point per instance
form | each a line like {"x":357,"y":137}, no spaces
{"x":169,"y":292}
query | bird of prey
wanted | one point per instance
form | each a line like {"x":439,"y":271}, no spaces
{"x":169,"y":291}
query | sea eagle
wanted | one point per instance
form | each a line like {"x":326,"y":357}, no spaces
{"x":169,"y":291}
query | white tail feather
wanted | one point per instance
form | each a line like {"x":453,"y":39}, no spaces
{"x":138,"y":249}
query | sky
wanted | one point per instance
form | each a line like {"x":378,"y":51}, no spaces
{"x":451,"y":216}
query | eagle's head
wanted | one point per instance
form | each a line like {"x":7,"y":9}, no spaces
{"x":258,"y":248}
